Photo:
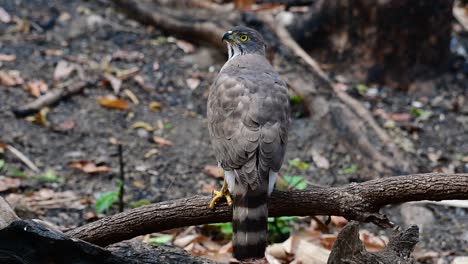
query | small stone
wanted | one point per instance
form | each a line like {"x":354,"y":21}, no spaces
{"x":417,"y":215}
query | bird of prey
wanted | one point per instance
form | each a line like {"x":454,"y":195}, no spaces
{"x":248,"y":120}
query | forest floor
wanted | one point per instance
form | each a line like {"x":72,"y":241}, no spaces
{"x":165,"y":140}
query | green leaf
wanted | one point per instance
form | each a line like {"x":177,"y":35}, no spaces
{"x":49,"y":176}
{"x":299,"y":164}
{"x":351,"y":169}
{"x":168,"y":126}
{"x":421,"y":114}
{"x":297,"y":182}
{"x":2,"y":164}
{"x":16,"y":172}
{"x":361,"y":88}
{"x":296,"y":99}
{"x":225,"y":228}
{"x":160,"y":240}
{"x":139,"y":203}
{"x":105,"y":201}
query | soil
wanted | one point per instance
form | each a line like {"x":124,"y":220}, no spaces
{"x":89,"y":33}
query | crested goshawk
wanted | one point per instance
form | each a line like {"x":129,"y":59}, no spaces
{"x":248,"y":119}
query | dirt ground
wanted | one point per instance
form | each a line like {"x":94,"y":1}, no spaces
{"x":96,"y":38}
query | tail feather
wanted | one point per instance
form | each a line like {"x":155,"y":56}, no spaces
{"x":250,"y":223}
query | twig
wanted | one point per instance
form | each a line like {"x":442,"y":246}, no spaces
{"x":50,"y":98}
{"x":23,"y":158}
{"x":122,"y":179}
{"x":357,"y":201}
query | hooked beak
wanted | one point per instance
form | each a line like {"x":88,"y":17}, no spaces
{"x":227,"y":36}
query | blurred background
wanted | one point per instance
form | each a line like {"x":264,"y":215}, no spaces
{"x":377,"y":88}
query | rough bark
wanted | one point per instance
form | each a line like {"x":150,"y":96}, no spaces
{"x":357,"y":201}
{"x":397,"y":39}
{"x":30,"y":242}
{"x":348,"y":249}
{"x":331,"y":109}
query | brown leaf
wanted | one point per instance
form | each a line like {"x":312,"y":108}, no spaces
{"x":36,"y":87}
{"x":7,"y":183}
{"x":7,"y":57}
{"x":371,"y":242}
{"x":89,"y":167}
{"x":213,"y":171}
{"x":63,"y":70}
{"x":89,"y":216}
{"x":53,"y":52}
{"x":243,"y":4}
{"x":338,"y":221}
{"x":113,"y":102}
{"x":115,"y":82}
{"x":65,"y":125}
{"x":141,"y":124}
{"x":185,"y":46}
{"x":10,"y":78}
{"x":46,"y":199}
{"x":162,"y":141}
{"x":40,"y":118}
{"x":155,"y":106}
{"x":395,"y":117}
{"x":139,"y":184}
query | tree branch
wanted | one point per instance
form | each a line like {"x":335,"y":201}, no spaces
{"x":357,"y":201}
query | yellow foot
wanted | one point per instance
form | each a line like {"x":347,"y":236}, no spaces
{"x":223,"y":193}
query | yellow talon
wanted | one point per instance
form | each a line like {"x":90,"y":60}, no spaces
{"x":223,"y":193}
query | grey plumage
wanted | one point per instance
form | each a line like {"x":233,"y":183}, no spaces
{"x":248,"y":120}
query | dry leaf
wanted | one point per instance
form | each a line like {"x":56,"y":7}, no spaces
{"x":395,"y":117}
{"x":162,"y":141}
{"x":89,"y":167}
{"x":320,"y":160}
{"x":7,"y":183}
{"x":207,"y":188}
{"x":40,"y":118}
{"x":46,"y":199}
{"x":185,"y":46}
{"x":338,"y":221}
{"x":89,"y":216}
{"x":151,"y":153}
{"x":53,"y":52}
{"x":141,"y":124}
{"x":128,"y":56}
{"x":139,"y":184}
{"x":125,"y":74}
{"x":213,"y":171}
{"x":65,"y":125}
{"x":243,"y":4}
{"x":7,"y":57}
{"x":327,"y":240}
{"x":155,"y":106}
{"x":371,"y":242}
{"x":183,"y":241}
{"x":4,"y":16}
{"x":113,"y":102}
{"x":131,"y":96}
{"x":193,"y":83}
{"x":36,"y":87}
{"x":115,"y":82}
{"x":10,"y":78}
{"x":63,"y":70}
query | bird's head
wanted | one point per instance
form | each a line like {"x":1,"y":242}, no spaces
{"x":243,"y":40}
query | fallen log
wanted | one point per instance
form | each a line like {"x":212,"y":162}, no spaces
{"x":357,"y":201}
{"x":32,"y":242}
{"x":348,"y":249}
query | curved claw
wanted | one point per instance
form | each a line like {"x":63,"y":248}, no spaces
{"x":223,"y":193}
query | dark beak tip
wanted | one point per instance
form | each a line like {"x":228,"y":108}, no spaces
{"x":226,"y":36}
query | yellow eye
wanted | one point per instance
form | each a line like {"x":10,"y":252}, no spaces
{"x":243,"y":37}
